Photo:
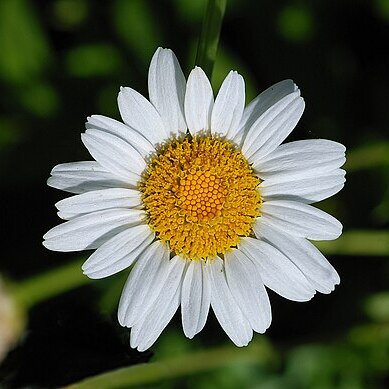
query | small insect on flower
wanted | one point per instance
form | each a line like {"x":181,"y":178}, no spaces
{"x":200,"y":194}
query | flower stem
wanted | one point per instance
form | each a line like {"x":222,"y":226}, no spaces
{"x":209,"y":37}
{"x":49,"y":284}
{"x":358,"y":242}
{"x":368,"y":157}
{"x":258,"y":353}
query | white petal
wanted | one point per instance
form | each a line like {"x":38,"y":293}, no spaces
{"x":247,"y":288}
{"x":272,"y":127}
{"x":142,"y":283}
{"x":304,"y":255}
{"x":98,"y":200}
{"x":195,"y":298}
{"x":229,"y":105}
{"x":306,"y":190}
{"x":130,"y":135}
{"x":226,"y":310}
{"x":300,"y":220}
{"x":140,"y":114}
{"x":167,"y":90}
{"x":198,"y":101}
{"x":161,"y":309}
{"x":118,"y":253}
{"x":80,"y":177}
{"x":155,"y":322}
{"x":303,"y":158}
{"x":92,"y":230}
{"x":277,"y":271}
{"x":114,"y":154}
{"x":261,"y":104}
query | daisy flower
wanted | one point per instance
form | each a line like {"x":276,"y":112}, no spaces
{"x":202,"y":198}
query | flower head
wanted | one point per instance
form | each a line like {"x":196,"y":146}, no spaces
{"x":203,"y":198}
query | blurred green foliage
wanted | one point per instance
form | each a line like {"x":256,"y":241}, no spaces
{"x":40,"y":99}
{"x":296,"y":23}
{"x":383,"y":8}
{"x":62,"y":60}
{"x":93,"y":60}
{"x":137,"y":25}
{"x":25,"y":53}
{"x":68,"y":14}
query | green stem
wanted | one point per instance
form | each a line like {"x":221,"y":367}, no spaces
{"x":368,"y":157}
{"x":49,"y":284}
{"x":358,"y":242}
{"x":209,"y":37}
{"x":147,"y":373}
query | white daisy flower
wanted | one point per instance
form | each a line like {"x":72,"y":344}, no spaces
{"x":203,"y":198}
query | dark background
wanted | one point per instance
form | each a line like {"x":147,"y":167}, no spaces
{"x":64,"y":60}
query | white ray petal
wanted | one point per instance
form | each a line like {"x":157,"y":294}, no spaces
{"x":128,"y":134}
{"x":119,"y":252}
{"x":226,"y":310}
{"x":303,"y":158}
{"x":141,"y":286}
{"x":98,"y":200}
{"x":84,"y":176}
{"x":195,"y":298}
{"x":304,"y":189}
{"x":248,"y":290}
{"x":91,"y":230}
{"x":198,"y":101}
{"x":277,"y":271}
{"x":300,"y":219}
{"x":114,"y":154}
{"x":261,"y":104}
{"x":303,"y":254}
{"x":141,"y":115}
{"x":167,"y":90}
{"x":161,"y":309}
{"x":229,"y":105}
{"x":272,"y":127}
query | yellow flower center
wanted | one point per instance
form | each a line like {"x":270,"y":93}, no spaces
{"x":201,"y":196}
